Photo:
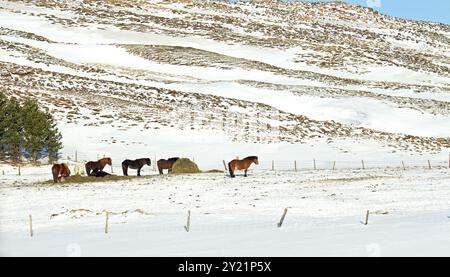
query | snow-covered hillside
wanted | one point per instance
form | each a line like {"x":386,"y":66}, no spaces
{"x":124,"y":78}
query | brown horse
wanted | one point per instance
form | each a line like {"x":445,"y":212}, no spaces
{"x":166,"y":164}
{"x":97,"y":166}
{"x":241,"y":165}
{"x":60,"y":171}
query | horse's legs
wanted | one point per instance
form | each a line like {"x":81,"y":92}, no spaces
{"x":160,"y":170}
{"x":88,"y":170}
{"x":125,"y":170}
{"x":55,"y":178}
{"x":139,"y":172}
{"x":245,"y":173}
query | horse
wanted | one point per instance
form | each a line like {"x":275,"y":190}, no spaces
{"x":60,"y":171}
{"x":100,"y":174}
{"x":136,"y":164}
{"x":241,"y":165}
{"x":166,"y":164}
{"x":97,"y":166}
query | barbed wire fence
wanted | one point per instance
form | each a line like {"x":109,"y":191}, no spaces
{"x":319,"y":164}
{"x":79,"y":159}
{"x":286,"y":165}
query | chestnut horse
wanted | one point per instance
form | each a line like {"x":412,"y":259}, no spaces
{"x":241,"y":165}
{"x":166,"y":164}
{"x":134,"y":164}
{"x":60,"y":171}
{"x":97,"y":166}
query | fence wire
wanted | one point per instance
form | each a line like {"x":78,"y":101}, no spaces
{"x":314,"y":164}
{"x":282,"y":165}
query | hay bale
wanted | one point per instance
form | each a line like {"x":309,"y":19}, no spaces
{"x":185,"y":165}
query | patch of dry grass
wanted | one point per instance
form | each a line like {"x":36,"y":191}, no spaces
{"x":213,"y":171}
{"x":78,"y":179}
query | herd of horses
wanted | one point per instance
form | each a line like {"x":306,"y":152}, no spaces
{"x":95,"y":168}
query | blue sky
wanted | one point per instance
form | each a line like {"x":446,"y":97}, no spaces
{"x":429,"y":10}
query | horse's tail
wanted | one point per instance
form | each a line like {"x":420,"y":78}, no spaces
{"x":230,"y":168}
{"x":124,"y":169}
{"x":159,"y":164}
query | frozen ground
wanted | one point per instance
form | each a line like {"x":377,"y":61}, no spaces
{"x":410,"y":213}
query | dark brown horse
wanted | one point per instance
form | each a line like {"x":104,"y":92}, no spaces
{"x":60,"y":171}
{"x":136,"y":164}
{"x":241,"y":165}
{"x":100,"y":173}
{"x":166,"y":164}
{"x":97,"y":166}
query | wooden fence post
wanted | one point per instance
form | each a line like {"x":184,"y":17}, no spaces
{"x":154,"y":164}
{"x":403,"y":164}
{"x":19,"y":169}
{"x":334,"y":165}
{"x":429,"y":164}
{"x":315,"y":168}
{"x":282,"y":218}
{"x":188,"y":223}
{"x":31,"y":225}
{"x":273,"y":165}
{"x":106,"y":223}
{"x":367,"y":218}
{"x":363,"y":165}
{"x":76,"y":156}
{"x":225,"y":166}
{"x":295,"y":166}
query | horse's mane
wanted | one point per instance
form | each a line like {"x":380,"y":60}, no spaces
{"x":173,"y":159}
{"x":147,"y":161}
{"x":251,"y":158}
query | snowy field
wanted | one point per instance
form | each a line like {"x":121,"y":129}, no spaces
{"x":409,"y":214}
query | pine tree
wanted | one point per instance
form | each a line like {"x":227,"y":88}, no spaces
{"x":12,"y":136}
{"x":34,"y":129}
{"x":29,"y":129}
{"x":53,"y":138}
{"x":3,"y":103}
